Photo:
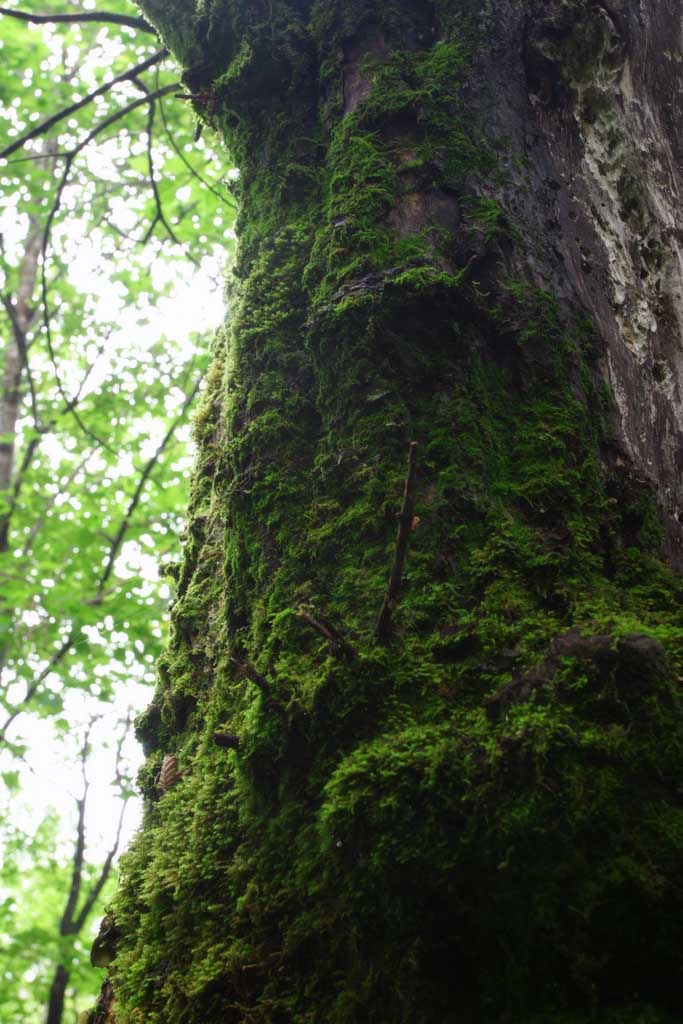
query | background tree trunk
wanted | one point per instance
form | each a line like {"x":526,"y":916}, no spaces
{"x":55,"y":1008}
{"x":460,"y":229}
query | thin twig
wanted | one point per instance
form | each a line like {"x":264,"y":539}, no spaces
{"x":31,"y":449}
{"x":50,"y":504}
{"x":96,"y":889}
{"x":117,"y":115}
{"x":103,"y":16}
{"x":144,"y":476}
{"x":99,"y":885}
{"x":68,"y":403}
{"x":33,"y":687}
{"x":35,"y":157}
{"x":86,"y":377}
{"x":120,"y":232}
{"x":118,"y":774}
{"x":169,"y":134}
{"x":70,"y":157}
{"x":115,"y":546}
{"x":71,"y":922}
{"x":405,"y":525}
{"x":160,"y":216}
{"x":71,"y":154}
{"x":338,"y":644}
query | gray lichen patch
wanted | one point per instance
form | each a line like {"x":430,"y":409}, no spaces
{"x":605,"y":111}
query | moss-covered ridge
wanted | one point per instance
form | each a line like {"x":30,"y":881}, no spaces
{"x":479,"y":819}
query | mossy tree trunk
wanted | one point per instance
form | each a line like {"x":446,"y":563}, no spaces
{"x":458,"y":230}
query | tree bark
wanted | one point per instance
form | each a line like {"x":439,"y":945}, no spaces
{"x":459,"y":228}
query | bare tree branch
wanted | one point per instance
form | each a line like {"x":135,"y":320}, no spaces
{"x":45,"y":126}
{"x":51,"y":502}
{"x":118,"y":774}
{"x":30,"y":451}
{"x":114,"y":549}
{"x":99,"y":885}
{"x":70,"y":157}
{"x":126,"y":234}
{"x":55,"y":1006}
{"x":69,"y":403}
{"x":87,"y":375}
{"x":22,"y":315}
{"x":72,"y":922}
{"x":117,"y":115}
{"x":33,"y":688}
{"x":70,"y":638}
{"x":228,"y":200}
{"x":160,"y":216}
{"x":125,"y":523}
{"x":82,"y":16}
{"x":66,"y":922}
{"x":101,"y":881}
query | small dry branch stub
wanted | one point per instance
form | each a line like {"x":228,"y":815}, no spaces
{"x":247,"y":670}
{"x":338,"y":644}
{"x":405,"y":525}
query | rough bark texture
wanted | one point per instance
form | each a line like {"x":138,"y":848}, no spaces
{"x":458,"y":228}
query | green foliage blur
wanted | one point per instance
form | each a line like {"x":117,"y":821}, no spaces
{"x":100,"y":243}
{"x":34,"y":877}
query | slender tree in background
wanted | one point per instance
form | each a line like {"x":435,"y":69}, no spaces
{"x":53,"y":890}
{"x":83,"y":894}
{"x":35,"y":880}
{"x":427,"y":771}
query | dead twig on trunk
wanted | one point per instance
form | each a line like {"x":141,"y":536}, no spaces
{"x":249,"y":672}
{"x":338,"y":644}
{"x":405,"y":525}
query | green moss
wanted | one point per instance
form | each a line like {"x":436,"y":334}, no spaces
{"x":478,"y":819}
{"x":409,"y":133}
{"x":485,"y":214}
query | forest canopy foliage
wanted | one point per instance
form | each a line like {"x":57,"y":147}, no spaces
{"x":113,"y":221}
